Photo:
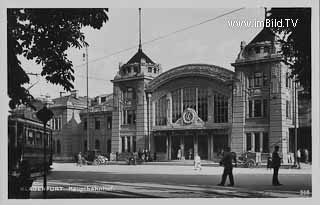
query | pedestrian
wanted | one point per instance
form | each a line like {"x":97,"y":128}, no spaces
{"x":190,"y":153}
{"x":276,"y":163}
{"x":298,"y":158}
{"x":139,"y":154}
{"x":306,"y":154}
{"x":179,"y":154}
{"x":79,"y":159}
{"x":197,"y":162}
{"x":226,"y":161}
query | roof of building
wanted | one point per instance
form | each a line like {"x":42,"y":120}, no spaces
{"x":66,"y":100}
{"x":264,"y":35}
{"x":200,"y":70}
{"x":138,"y":56}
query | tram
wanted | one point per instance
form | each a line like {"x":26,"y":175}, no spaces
{"x":26,"y":138}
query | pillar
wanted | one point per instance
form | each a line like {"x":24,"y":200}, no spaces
{"x":261,"y":141}
{"x":125,"y":144}
{"x":252,"y":141}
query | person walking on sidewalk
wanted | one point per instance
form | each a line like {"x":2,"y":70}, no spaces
{"x":276,"y":163}
{"x":79,"y":159}
{"x":226,"y":161}
{"x":298,"y":158}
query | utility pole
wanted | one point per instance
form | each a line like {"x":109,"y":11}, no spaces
{"x":87,"y":66}
{"x":295,"y":121}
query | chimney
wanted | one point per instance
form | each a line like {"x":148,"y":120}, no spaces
{"x":74,"y":93}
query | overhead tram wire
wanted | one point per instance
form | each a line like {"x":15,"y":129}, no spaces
{"x":163,"y":36}
{"x":157,"y":39}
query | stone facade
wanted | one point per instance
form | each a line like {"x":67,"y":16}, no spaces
{"x":66,"y":125}
{"x":258,"y":96}
{"x":99,"y":125}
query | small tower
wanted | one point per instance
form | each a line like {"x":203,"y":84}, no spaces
{"x":129,"y":124}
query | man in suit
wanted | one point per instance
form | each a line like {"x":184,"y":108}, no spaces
{"x":226,"y":161}
{"x":276,"y":163}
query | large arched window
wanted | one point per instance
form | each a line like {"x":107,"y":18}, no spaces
{"x":161,"y":111}
{"x":191,"y":97}
{"x":220,"y":108}
{"x":176,"y":105}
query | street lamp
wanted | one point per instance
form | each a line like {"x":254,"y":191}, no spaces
{"x":44,"y":115}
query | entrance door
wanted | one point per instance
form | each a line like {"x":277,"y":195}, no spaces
{"x":188,"y":147}
{"x":175,"y":146}
{"x":219,"y":142}
{"x":203,"y":147}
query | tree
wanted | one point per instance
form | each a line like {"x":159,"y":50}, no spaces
{"x":296,"y":42}
{"x":44,"y":35}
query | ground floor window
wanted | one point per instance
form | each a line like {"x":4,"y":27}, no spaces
{"x":58,"y":147}
{"x":97,"y":144}
{"x":257,"y":142}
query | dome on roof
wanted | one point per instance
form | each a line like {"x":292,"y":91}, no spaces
{"x":264,"y":35}
{"x":140,"y":55}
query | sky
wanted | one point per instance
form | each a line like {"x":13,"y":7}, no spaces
{"x":214,"y":42}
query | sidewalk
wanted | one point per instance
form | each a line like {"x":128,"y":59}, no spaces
{"x":204,"y":163}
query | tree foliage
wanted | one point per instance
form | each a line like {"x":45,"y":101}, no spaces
{"x":44,"y":35}
{"x":296,"y":42}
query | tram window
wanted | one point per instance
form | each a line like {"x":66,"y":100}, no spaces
{"x":38,"y":138}
{"x":30,"y":137}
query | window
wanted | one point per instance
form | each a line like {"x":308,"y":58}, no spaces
{"x":97,"y":144}
{"x":30,"y":137}
{"x":176,"y":105}
{"x":220,"y":108}
{"x":97,"y":124}
{"x":161,"y":111}
{"x":129,"y":117}
{"x":257,"y":49}
{"x":85,"y":145}
{"x":257,"y":79}
{"x":203,"y":104}
{"x":257,"y":108}
{"x":134,"y":144}
{"x":257,"y":141}
{"x":57,"y":123}
{"x":123,"y":144}
{"x":288,"y":109}
{"x":248,"y":141}
{"x":38,"y":138}
{"x":109,"y":122}
{"x":150,"y":69}
{"x":189,"y":98}
{"x":192,"y":97}
{"x":58,"y":147}
{"x":265,"y":142}
{"x":155,"y":70}
{"x":103,"y":99}
{"x":265,"y":80}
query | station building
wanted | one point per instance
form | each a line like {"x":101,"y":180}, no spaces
{"x":202,"y":108}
